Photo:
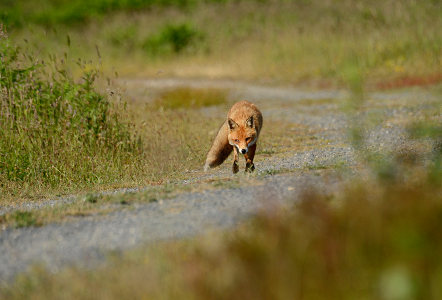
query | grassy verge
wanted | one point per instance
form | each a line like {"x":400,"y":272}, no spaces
{"x":96,"y":204}
{"x":59,"y":135}
{"x":396,"y":43}
{"x":168,"y":143}
{"x":56,"y":132}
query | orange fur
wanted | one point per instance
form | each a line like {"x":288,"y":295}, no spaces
{"x":239,"y":133}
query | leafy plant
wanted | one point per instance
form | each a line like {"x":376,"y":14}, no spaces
{"x":173,"y":39}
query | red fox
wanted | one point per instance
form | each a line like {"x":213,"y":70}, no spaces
{"x":240,"y":133}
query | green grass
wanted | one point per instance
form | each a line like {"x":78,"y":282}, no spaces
{"x":172,"y":145}
{"x":23,"y":219}
{"x":92,"y":198}
{"x":55,"y":131}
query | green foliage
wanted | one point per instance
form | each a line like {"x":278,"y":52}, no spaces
{"x":123,"y":37}
{"x":23,"y":219}
{"x":68,"y":12}
{"x":426,"y":129}
{"x":52,"y":129}
{"x":169,"y":39}
{"x":173,"y":39}
{"x":92,"y":198}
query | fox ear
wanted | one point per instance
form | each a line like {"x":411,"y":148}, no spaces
{"x":249,"y":122}
{"x":232,"y":124}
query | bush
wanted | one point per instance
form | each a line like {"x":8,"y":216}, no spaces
{"x":173,"y":39}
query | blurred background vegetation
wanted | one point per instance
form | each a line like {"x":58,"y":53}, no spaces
{"x":307,"y":41}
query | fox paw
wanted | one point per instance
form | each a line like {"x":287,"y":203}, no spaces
{"x":206,"y":167}
{"x":235,"y":168}
{"x":250,"y":167}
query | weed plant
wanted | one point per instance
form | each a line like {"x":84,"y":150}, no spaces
{"x":54,"y":131}
{"x":172,"y":39}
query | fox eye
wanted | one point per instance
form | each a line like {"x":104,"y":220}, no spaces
{"x":236,"y":141}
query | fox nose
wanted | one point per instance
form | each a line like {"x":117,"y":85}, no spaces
{"x":243,"y":151}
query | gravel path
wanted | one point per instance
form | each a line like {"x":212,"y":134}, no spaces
{"x":85,"y":241}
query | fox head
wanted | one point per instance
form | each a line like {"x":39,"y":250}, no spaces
{"x":242,"y":136}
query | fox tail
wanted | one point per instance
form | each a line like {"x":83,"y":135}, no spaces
{"x":220,"y":149}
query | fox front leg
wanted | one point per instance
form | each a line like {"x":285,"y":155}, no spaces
{"x":250,"y":167}
{"x":235,"y":167}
